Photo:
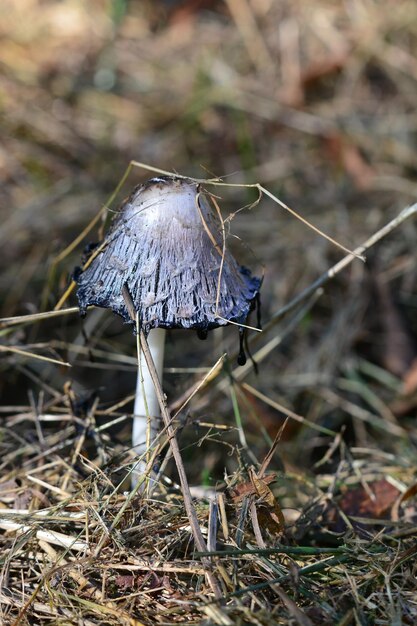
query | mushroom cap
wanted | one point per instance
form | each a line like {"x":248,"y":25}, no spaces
{"x":165,"y":247}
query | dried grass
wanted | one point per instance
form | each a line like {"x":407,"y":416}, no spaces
{"x":64,"y":558}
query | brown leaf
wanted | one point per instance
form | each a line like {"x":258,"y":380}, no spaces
{"x":357,"y":502}
{"x":268,"y":508}
{"x":125,"y":582}
{"x":248,"y":489}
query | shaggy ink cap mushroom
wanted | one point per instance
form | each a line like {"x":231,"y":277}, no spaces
{"x":165,"y":246}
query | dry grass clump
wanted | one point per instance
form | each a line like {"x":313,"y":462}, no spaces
{"x":75,"y":546}
{"x":316,"y":101}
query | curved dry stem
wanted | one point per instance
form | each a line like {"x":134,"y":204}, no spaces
{"x":217,"y":182}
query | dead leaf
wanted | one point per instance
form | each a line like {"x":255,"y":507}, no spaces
{"x":269,"y":511}
{"x":248,"y":489}
{"x":357,"y":502}
{"x":125,"y":582}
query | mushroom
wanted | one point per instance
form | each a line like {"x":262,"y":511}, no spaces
{"x":165,"y":249}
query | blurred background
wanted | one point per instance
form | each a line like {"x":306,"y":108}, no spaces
{"x":314,"y":100}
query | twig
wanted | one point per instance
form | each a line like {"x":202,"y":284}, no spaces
{"x":303,"y":571}
{"x":212,"y":524}
{"x":340,"y":265}
{"x":227,"y":553}
{"x":33,"y":355}
{"x":51,"y":536}
{"x":255,"y":525}
{"x":36,"y":317}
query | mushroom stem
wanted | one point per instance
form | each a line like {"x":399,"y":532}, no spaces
{"x":199,"y":541}
{"x":146,"y":401}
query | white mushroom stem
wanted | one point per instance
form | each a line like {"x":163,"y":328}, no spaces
{"x":146,"y":402}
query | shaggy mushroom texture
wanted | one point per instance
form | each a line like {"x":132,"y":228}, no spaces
{"x":166,"y":246}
